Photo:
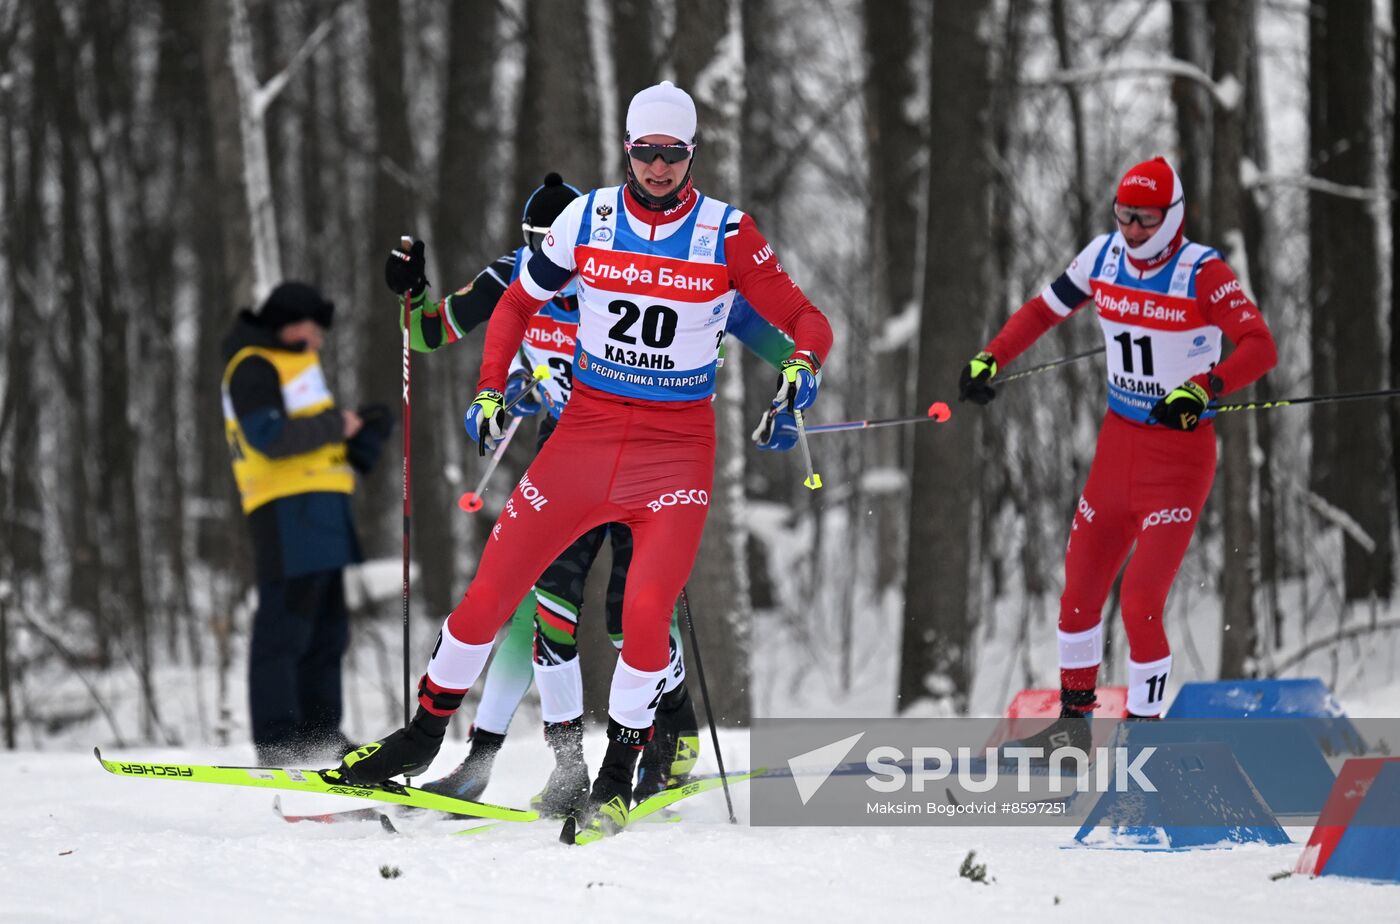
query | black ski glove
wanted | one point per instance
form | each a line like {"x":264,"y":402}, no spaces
{"x":975,"y":382}
{"x":407,"y":272}
{"x":1183,"y":406}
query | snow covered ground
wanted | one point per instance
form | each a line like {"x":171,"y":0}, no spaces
{"x":81,"y":845}
{"x":77,"y":844}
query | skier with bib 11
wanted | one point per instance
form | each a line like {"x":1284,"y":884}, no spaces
{"x":656,"y":265}
{"x":1163,"y":303}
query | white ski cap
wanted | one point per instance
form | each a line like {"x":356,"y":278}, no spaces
{"x":664,"y":109}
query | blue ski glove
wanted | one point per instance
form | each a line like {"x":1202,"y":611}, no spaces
{"x":798,"y":380}
{"x":519,"y":382}
{"x":777,"y":431}
{"x":486,"y":419}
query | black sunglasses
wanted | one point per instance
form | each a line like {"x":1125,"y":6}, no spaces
{"x":670,"y":153}
{"x":1147,"y":217}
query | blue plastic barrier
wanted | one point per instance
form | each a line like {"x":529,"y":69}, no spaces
{"x":1294,"y":698}
{"x":1203,"y":799}
{"x":1281,"y":757}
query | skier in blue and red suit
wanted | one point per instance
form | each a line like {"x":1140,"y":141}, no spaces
{"x":1163,"y":302}
{"x":656,"y":265}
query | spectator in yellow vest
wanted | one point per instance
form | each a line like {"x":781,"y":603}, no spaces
{"x":294,"y":457}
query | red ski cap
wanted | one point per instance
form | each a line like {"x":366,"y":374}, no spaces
{"x":1151,"y":184}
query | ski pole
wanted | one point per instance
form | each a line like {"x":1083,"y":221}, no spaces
{"x":540,"y":374}
{"x":406,"y":242}
{"x":705,"y":695}
{"x":938,"y":412}
{"x":1074,"y":358}
{"x":471,"y":501}
{"x":1305,"y":399}
{"x":813,"y":481}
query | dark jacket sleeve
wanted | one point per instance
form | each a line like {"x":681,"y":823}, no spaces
{"x":467,"y":308}
{"x":257,"y":402}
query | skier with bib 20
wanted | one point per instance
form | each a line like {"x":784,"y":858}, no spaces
{"x":656,"y":265}
{"x":540,"y":642}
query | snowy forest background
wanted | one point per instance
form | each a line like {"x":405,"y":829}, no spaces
{"x":921,"y":168}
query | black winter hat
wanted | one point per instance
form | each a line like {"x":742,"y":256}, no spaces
{"x":546,"y":202}
{"x":291,"y":302}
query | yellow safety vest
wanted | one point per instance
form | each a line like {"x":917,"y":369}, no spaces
{"x":305,"y":394}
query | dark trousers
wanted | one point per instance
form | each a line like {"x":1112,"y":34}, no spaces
{"x":300,"y":632}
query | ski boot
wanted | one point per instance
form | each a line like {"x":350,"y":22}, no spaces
{"x":1071,"y":730}
{"x":606,"y":813}
{"x":670,"y":756}
{"x":566,"y":791}
{"x":410,"y":750}
{"x":468,"y":781}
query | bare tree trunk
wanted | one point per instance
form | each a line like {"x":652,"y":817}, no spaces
{"x":1084,"y":223}
{"x":464,"y":180}
{"x":719,"y":584}
{"x":891,"y":131}
{"x":1190,"y":43}
{"x":1004,"y":473}
{"x":939,"y":617}
{"x":8,"y":181}
{"x":161,"y":180}
{"x":1350,"y":445}
{"x":85,"y":589}
{"x":558,"y":127}
{"x":1260,"y":255}
{"x":1394,"y":116}
{"x":765,"y":73}
{"x":223,"y":248}
{"x":21,"y":510}
{"x":1239,"y":639}
{"x":7,"y":678}
{"x":462,"y":247}
{"x":120,"y":520}
{"x":634,"y":57}
{"x":380,"y":358}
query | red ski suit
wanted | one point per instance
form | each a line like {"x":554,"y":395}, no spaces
{"x":642,"y":455}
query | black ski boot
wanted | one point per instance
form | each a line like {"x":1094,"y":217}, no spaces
{"x":469,"y":780}
{"x":606,"y":813}
{"x":670,"y":756}
{"x":566,"y":792}
{"x":408,"y":751}
{"x":1070,"y":730}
